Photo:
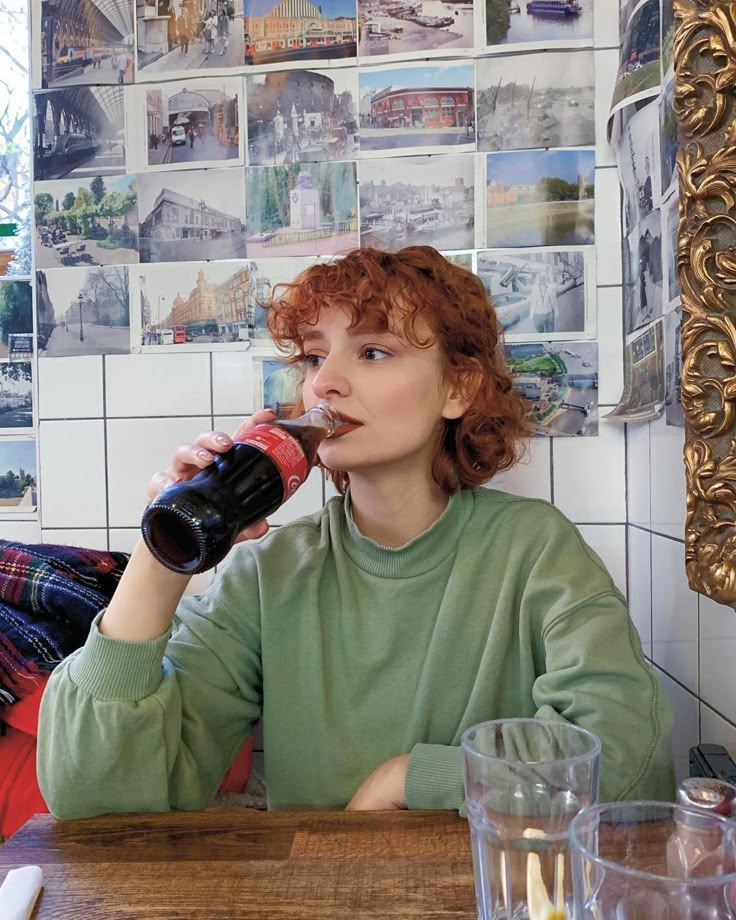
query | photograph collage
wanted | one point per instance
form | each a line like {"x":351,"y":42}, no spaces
{"x":191,"y":154}
{"x":645,"y":143}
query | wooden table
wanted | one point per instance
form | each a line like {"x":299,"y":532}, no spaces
{"x":238,"y":863}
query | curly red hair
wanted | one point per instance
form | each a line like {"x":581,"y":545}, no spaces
{"x":392,"y":291}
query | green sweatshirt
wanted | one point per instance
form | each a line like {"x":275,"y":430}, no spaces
{"x":354,"y":653}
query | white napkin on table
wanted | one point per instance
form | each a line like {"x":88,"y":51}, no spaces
{"x":19,"y":891}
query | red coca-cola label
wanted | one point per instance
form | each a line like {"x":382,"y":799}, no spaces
{"x":285,"y":451}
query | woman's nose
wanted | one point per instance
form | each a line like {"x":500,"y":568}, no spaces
{"x":330,"y":379}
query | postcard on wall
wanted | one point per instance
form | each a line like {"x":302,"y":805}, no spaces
{"x":282,"y":33}
{"x":559,"y":383}
{"x":302,"y":116}
{"x":281,"y":385}
{"x":406,"y":29}
{"x":625,"y":11}
{"x":80,"y":132}
{"x":16,"y":396}
{"x":674,"y":413}
{"x":420,"y":201}
{"x":190,"y":216}
{"x":515,"y":25}
{"x":644,"y":390}
{"x":414,"y":109}
{"x":541,"y":293}
{"x":536,"y":100}
{"x":192,"y":123}
{"x":638,"y":74}
{"x":670,"y":229}
{"x":304,"y":209}
{"x":86,"y":221}
{"x":192,"y":305}
{"x":638,"y":159}
{"x":82,"y":43}
{"x":540,"y":198}
{"x":16,"y":321}
{"x":83,"y":311}
{"x":266,"y":275}
{"x":668,"y":138}
{"x":18,"y":481}
{"x":179,"y":38}
{"x":669,"y":27}
{"x":464,"y":260}
{"x":643,"y":275}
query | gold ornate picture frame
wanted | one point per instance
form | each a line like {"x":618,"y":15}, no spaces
{"x":705,"y":109}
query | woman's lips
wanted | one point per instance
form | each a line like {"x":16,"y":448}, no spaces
{"x":346,"y":425}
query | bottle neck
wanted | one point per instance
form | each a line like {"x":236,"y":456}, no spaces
{"x":320,"y":416}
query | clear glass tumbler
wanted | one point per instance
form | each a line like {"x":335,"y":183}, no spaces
{"x":525,"y":779}
{"x":653,"y":861}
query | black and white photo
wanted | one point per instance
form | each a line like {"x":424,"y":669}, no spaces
{"x":85,"y":42}
{"x":302,"y":116}
{"x":195,"y":303}
{"x":83,"y":311}
{"x":540,"y":293}
{"x":304,"y":209}
{"x":417,"y":109}
{"x":674,"y":413}
{"x":192,"y":123}
{"x":414,"y":28}
{"x":643,"y":396}
{"x":186,"y":36}
{"x":559,"y":383}
{"x":671,"y":211}
{"x":668,"y":138}
{"x":638,"y":161}
{"x":79,"y":131}
{"x":642,"y":273}
{"x":536,"y":100}
{"x":425,"y":201}
{"x":186,"y":216}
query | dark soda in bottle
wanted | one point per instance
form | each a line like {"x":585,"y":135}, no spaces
{"x":190,"y":526}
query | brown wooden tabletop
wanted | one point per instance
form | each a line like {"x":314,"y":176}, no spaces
{"x":238,"y":863}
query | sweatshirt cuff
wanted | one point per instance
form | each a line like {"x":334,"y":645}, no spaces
{"x":116,"y":669}
{"x":434,"y":777}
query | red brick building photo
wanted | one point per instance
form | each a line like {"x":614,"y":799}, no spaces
{"x":395,"y":107}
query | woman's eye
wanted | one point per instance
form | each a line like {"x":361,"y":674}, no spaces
{"x":373,"y":353}
{"x":313,"y":360}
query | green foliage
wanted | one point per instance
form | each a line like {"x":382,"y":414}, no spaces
{"x":555,"y":189}
{"x":44,"y":203}
{"x":16,"y":311}
{"x":498,"y":20}
{"x":68,"y":203}
{"x":98,"y":189}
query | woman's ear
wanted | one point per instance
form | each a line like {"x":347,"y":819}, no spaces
{"x":462,"y":390}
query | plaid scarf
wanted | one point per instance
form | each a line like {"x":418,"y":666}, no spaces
{"x":49,"y":596}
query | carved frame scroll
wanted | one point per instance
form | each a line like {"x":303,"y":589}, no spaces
{"x":705,"y":109}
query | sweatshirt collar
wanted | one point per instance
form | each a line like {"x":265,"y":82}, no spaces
{"x":419,"y":555}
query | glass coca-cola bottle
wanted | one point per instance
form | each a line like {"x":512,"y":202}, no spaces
{"x":190,"y":526}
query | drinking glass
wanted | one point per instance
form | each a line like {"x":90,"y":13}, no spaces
{"x":525,"y":779}
{"x":653,"y":861}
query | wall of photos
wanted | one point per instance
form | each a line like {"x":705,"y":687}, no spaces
{"x":181,"y":172}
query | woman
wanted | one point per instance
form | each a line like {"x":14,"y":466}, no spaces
{"x":367,"y":636}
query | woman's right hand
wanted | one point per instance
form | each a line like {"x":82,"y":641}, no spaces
{"x":189,"y":459}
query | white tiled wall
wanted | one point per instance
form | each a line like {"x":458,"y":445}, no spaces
{"x":690,"y":638}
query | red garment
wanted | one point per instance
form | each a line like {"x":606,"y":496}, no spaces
{"x":20,"y":797}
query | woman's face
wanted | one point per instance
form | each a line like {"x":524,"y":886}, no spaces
{"x":394,"y":391}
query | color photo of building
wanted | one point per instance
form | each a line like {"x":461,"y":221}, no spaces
{"x":297,"y":30}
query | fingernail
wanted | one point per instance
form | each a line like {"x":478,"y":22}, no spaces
{"x":222,"y":439}
{"x":204,"y":454}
